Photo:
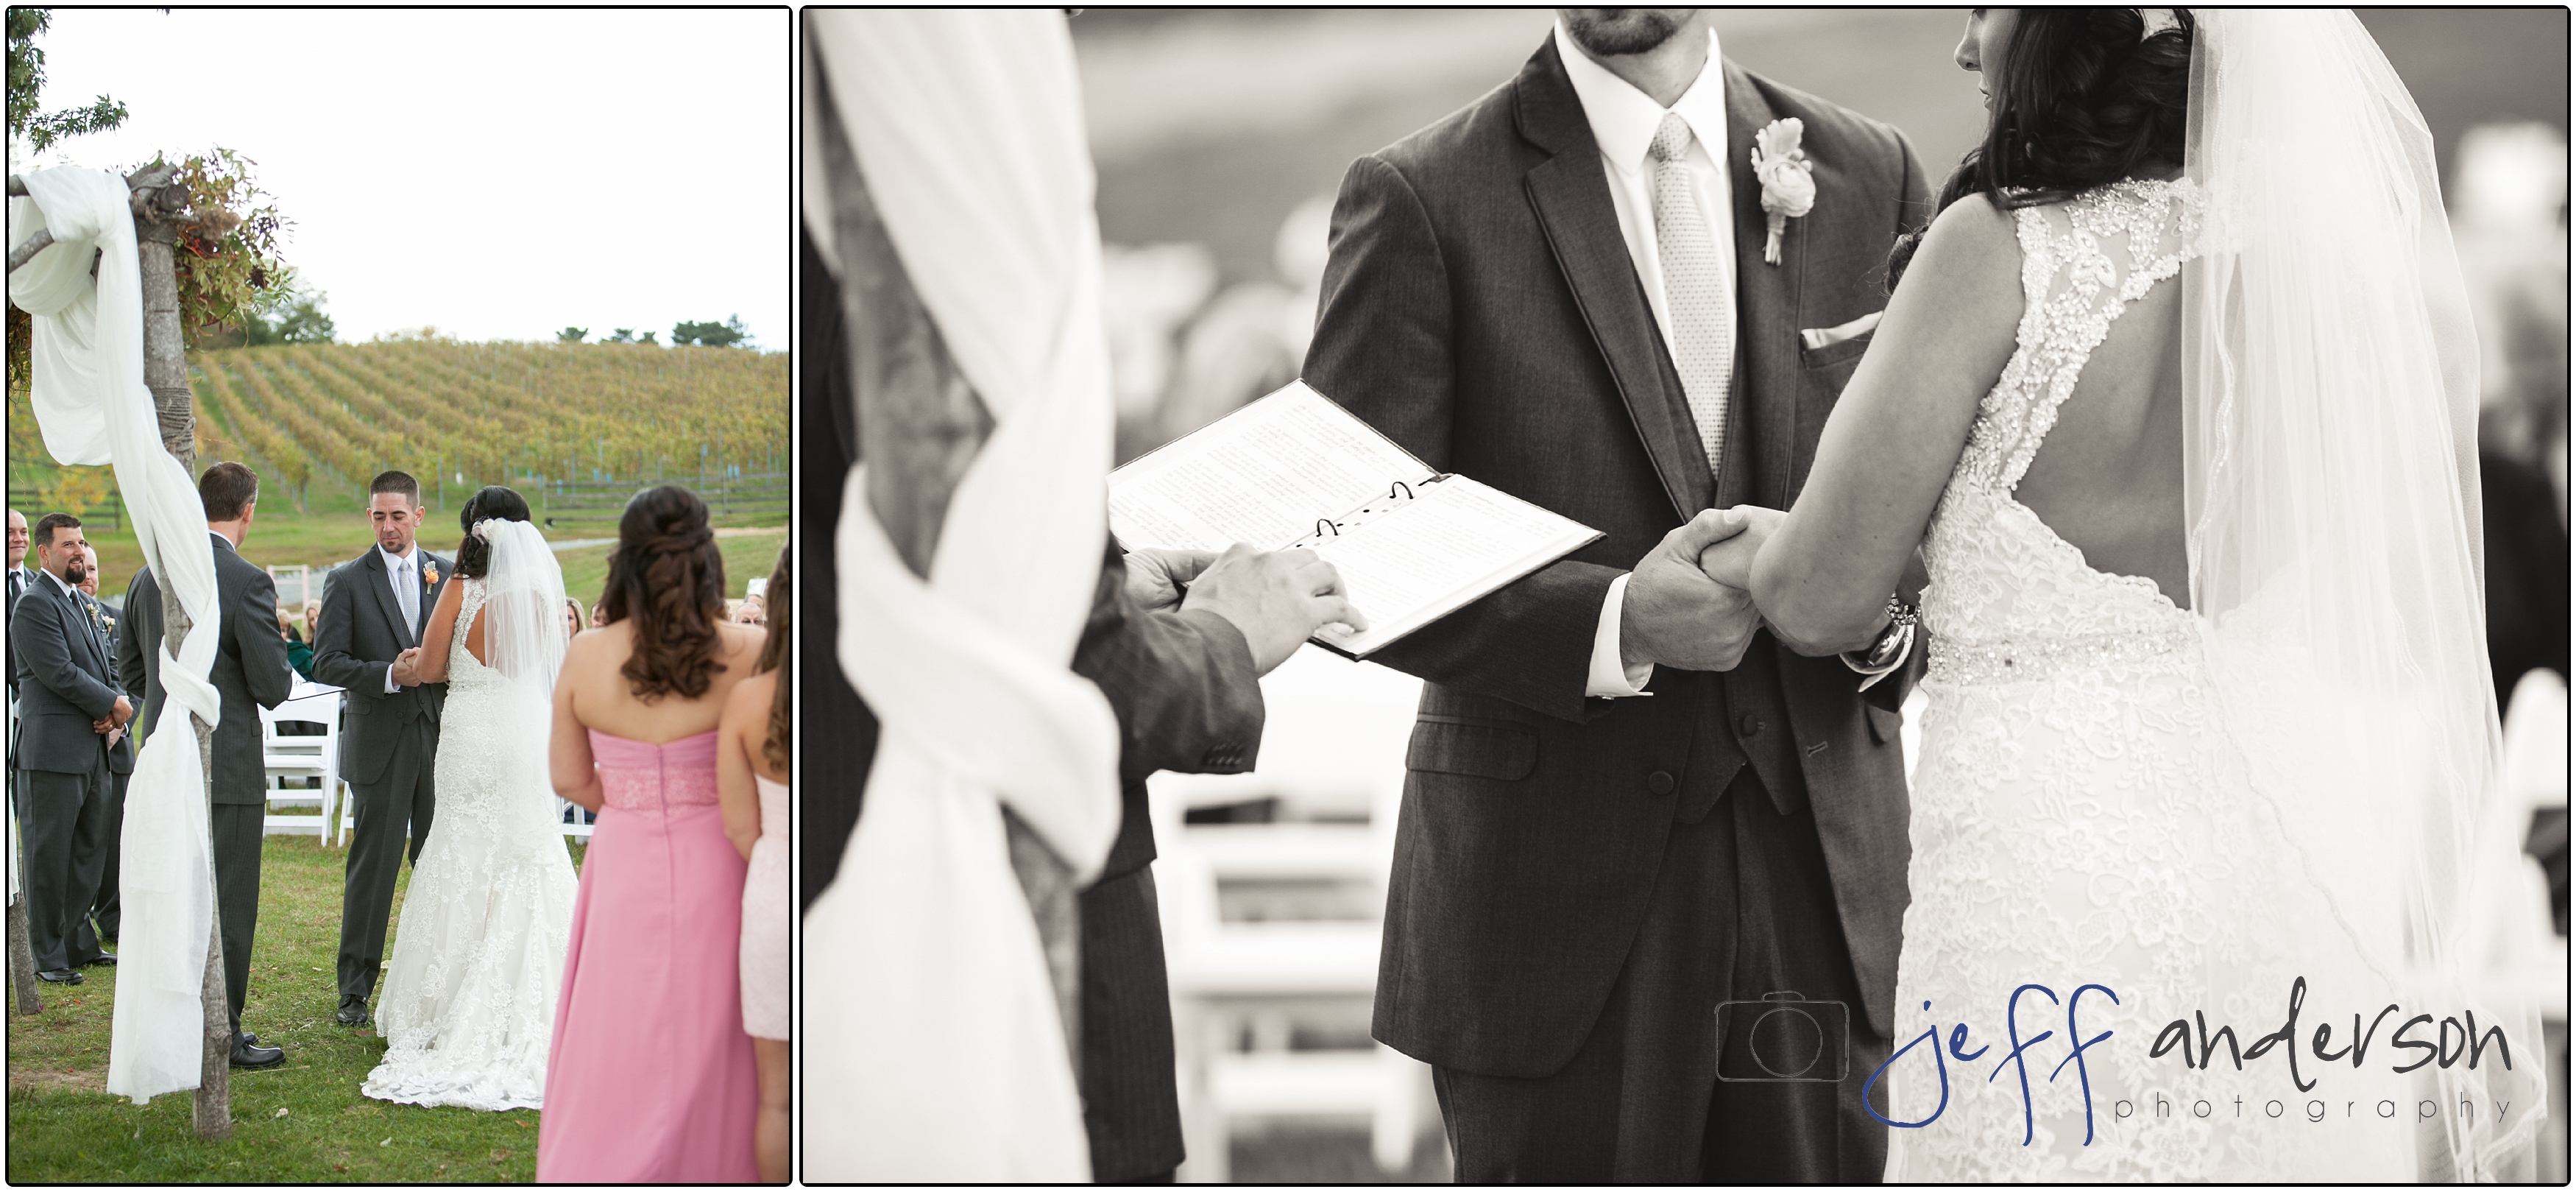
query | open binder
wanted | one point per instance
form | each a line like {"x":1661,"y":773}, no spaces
{"x":1294,"y":470}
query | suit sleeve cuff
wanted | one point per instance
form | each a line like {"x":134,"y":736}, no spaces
{"x":1608,"y":678}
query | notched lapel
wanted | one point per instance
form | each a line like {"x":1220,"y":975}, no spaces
{"x":1571,"y":195}
{"x":381,"y":586}
{"x":1767,"y":371}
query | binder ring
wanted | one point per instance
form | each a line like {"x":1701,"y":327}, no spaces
{"x":1326,"y":525}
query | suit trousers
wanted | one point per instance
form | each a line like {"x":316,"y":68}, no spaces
{"x":1742,"y":908}
{"x":239,"y":830}
{"x":395,"y":807}
{"x":63,"y":822}
{"x":1130,"y":1101}
{"x":106,"y":908}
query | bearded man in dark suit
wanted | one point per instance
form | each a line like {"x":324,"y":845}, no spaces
{"x":368,"y":642}
{"x":1570,"y":290}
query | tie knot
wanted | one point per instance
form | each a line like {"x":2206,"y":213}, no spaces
{"x":1672,"y":138}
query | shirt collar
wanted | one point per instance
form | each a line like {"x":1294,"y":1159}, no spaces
{"x":66,"y":588}
{"x":1624,"y":119}
{"x":395,"y":560}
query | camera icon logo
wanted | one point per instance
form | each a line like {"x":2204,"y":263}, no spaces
{"x":1783,"y":1038}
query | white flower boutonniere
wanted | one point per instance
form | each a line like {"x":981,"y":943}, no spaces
{"x":1787,"y":177}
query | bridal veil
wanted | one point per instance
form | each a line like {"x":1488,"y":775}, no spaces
{"x":2330,"y":398}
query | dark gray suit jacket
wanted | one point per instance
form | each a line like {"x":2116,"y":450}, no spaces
{"x":251,"y":671}
{"x":65,"y":681}
{"x":354,"y":643}
{"x":1481,"y":309}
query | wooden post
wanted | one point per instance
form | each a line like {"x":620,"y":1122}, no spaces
{"x":157,"y":208}
{"x":923,"y":426}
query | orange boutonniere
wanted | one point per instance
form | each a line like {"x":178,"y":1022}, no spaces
{"x":429,"y":574}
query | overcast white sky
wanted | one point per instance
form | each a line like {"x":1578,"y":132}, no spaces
{"x":496,"y":173}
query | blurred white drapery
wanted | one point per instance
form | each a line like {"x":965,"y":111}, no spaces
{"x":933,"y":1046}
{"x":91,"y":402}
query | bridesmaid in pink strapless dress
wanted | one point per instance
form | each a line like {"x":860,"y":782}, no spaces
{"x":651,"y":1078}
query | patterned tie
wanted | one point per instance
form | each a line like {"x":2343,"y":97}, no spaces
{"x":408,"y":591}
{"x":1701,"y":305}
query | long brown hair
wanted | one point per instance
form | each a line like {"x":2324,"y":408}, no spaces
{"x":2080,"y":99}
{"x":775,"y":656}
{"x":668,"y":575}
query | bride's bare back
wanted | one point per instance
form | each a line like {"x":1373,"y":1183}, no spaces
{"x":2108,"y":478}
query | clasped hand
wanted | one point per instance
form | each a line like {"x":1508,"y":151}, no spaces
{"x":406,"y":667}
{"x":115,"y":719}
{"x":1277,"y":599}
{"x":1689,"y":603}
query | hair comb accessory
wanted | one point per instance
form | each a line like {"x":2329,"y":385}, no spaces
{"x":2156,"y":21}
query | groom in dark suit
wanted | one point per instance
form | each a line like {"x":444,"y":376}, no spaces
{"x":368,"y":642}
{"x":250,"y":673}
{"x":1563,"y":291}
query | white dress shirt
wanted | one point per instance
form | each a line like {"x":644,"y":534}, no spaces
{"x":399,"y":573}
{"x":1624,"y":121}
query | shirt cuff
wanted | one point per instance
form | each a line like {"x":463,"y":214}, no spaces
{"x":1609,"y":679}
{"x":390,"y":686}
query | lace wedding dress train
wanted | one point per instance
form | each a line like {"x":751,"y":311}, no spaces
{"x":469,"y":999}
{"x":2082,"y":819}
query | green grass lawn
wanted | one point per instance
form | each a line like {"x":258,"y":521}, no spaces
{"x":303,"y":1122}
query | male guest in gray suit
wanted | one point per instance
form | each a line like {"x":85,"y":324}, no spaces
{"x":106,"y":908}
{"x":250,"y":673}
{"x":368,"y":641}
{"x":1562,"y":290}
{"x":68,"y":702}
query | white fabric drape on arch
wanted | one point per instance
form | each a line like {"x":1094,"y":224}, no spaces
{"x":935,"y":1051}
{"x":91,"y":402}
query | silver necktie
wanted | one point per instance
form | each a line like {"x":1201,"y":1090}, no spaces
{"x":409,"y":590}
{"x":1700,"y":303}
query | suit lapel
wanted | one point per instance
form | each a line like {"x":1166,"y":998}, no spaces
{"x":383,"y":591}
{"x":428,"y":592}
{"x":1571,"y":195}
{"x":1767,"y":371}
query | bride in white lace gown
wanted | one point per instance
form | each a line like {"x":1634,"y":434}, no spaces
{"x":2201,"y":723}
{"x":469,"y":1004}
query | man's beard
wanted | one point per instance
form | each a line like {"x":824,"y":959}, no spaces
{"x":1618,"y":31}
{"x":74,"y":573}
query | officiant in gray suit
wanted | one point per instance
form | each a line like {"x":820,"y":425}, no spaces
{"x":1626,"y":802}
{"x":250,"y":673}
{"x":367,"y":642}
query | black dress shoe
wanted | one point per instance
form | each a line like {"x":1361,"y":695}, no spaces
{"x":61,"y":977}
{"x":247,"y":1054}
{"x":353,"y":1010}
{"x":105,"y":958}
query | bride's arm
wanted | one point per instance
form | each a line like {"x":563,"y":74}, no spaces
{"x":1822,"y":578}
{"x":568,"y":758}
{"x":440,"y":631}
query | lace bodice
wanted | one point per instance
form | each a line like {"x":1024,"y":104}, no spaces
{"x":2009,"y":599}
{"x":464,"y":671}
{"x":637,"y":776}
{"x":2081,"y":816}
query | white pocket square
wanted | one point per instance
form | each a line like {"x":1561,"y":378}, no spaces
{"x":1825,"y":337}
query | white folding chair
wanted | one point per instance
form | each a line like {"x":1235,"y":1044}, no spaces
{"x":1334,"y":740}
{"x":303,"y":771}
{"x":574,"y":828}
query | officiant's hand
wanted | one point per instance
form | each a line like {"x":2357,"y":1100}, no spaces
{"x":1155,"y":575}
{"x":1277,"y":598}
{"x":1674,"y":615}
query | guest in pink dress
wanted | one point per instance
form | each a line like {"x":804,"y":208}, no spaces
{"x":751,"y":774}
{"x":651,"y":1078}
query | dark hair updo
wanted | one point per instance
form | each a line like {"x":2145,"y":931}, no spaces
{"x":2080,"y":100}
{"x":474,"y":556}
{"x":669,"y":577}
